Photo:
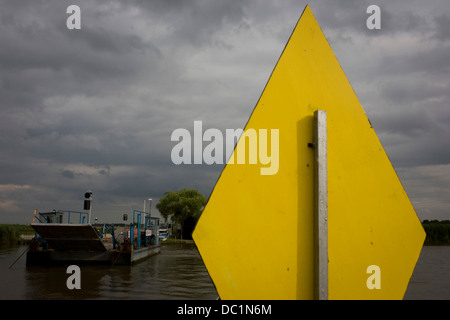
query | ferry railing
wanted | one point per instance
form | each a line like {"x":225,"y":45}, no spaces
{"x":105,"y":231}
{"x":83,"y":217}
{"x":149,"y":228}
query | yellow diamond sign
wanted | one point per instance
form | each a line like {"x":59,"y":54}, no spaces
{"x":257,"y":232}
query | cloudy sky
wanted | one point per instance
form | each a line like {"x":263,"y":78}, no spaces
{"x":95,"y":108}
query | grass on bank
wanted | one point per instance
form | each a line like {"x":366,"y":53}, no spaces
{"x":172,"y":240}
{"x":11,"y":232}
{"x":438,"y":232}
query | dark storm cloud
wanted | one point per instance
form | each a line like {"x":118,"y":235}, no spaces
{"x":430,"y":59}
{"x":409,"y":91}
{"x":442,"y":25}
{"x":68,"y":174}
{"x":59,"y":91}
{"x":37,"y":47}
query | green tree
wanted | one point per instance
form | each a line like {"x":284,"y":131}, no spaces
{"x":180,"y":205}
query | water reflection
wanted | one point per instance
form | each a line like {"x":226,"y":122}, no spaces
{"x":431,"y":277}
{"x":177,"y":273}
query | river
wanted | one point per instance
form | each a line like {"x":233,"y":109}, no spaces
{"x":177,"y":273}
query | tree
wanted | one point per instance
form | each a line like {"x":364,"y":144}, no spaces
{"x":180,"y":205}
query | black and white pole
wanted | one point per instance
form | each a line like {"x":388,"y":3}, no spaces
{"x":87,"y":204}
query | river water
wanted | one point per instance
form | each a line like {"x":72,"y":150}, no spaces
{"x":177,"y":273}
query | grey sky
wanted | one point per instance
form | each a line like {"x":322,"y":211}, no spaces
{"x":94,"y":108}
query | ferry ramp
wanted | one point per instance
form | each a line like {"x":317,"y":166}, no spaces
{"x":70,"y":237}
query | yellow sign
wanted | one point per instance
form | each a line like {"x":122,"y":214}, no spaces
{"x":256,"y":234}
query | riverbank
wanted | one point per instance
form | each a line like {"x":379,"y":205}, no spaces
{"x":16,"y":233}
{"x":172,"y":240}
{"x":438,"y":234}
{"x":22,"y":234}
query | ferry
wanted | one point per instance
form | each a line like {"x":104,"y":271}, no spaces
{"x":63,"y":236}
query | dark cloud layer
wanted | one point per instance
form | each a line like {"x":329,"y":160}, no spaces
{"x":94,"y":108}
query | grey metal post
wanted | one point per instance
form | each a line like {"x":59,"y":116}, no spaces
{"x":321,"y":203}
{"x":90,"y":210}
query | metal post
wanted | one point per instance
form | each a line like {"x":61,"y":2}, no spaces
{"x":132,"y":231}
{"x":103,"y":232}
{"x":138,"y":229}
{"x":90,"y":212}
{"x":113,"y":237}
{"x":321,"y":204}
